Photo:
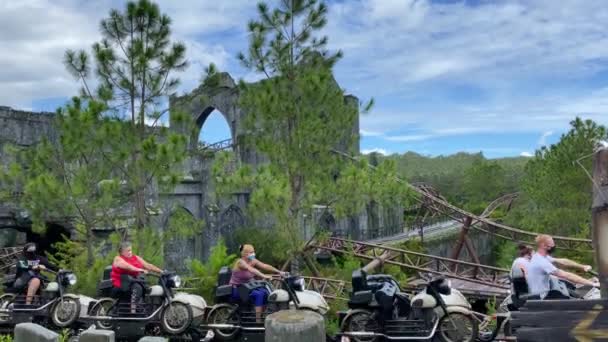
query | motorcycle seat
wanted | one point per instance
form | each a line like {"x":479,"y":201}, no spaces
{"x":223,"y":291}
{"x":223,"y":277}
{"x":402,"y":296}
{"x":361,"y":297}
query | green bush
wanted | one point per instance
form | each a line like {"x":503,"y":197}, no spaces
{"x":72,"y":255}
{"x":204,"y":275}
{"x":6,"y":338}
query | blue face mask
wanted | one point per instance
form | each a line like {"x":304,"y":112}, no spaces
{"x":251,"y":256}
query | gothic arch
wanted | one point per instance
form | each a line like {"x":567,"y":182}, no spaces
{"x":230,"y":221}
{"x":327,"y":222}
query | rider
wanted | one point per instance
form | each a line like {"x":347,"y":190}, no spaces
{"x":128,"y":263}
{"x":28,"y":271}
{"x":244,"y":270}
{"x":541,"y":268}
{"x":524,"y":254}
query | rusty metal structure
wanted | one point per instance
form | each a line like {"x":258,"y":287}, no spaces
{"x":8,"y":257}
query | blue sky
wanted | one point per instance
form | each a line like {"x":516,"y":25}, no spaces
{"x":501,"y":77}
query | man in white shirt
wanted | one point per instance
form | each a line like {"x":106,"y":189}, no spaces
{"x":541,"y":267}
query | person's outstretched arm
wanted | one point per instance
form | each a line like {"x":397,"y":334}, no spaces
{"x":148,"y":266}
{"x":567,"y":263}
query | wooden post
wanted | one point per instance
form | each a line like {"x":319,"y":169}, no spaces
{"x":378,"y":261}
{"x":600,"y":216}
{"x":461,"y":240}
{"x":294,"y":326}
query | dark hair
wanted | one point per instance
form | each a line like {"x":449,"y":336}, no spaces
{"x":523,"y":250}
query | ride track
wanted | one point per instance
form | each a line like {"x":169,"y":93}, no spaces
{"x":472,"y":278}
{"x":8,"y":257}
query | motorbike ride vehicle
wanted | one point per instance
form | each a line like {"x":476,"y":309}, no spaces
{"x":560,"y":289}
{"x":379,"y":310}
{"x":229,"y":317}
{"x":51,"y":306}
{"x":161,"y":311}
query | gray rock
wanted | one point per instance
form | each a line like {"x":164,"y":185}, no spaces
{"x":30,"y":332}
{"x":294,"y":326}
{"x":97,"y":336}
{"x":153,"y":339}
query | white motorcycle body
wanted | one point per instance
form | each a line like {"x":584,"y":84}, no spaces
{"x":52,"y":287}
{"x":455,"y":302}
{"x":311,"y":300}
{"x":308,"y":300}
{"x":197,"y":303}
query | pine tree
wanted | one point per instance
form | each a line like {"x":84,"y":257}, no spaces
{"x":72,"y":179}
{"x":134,"y":64}
{"x":296,"y":117}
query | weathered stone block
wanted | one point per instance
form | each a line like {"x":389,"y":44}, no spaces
{"x":153,"y":339}
{"x":97,"y":336}
{"x":30,"y":332}
{"x":294,"y":326}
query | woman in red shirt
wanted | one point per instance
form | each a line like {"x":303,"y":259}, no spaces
{"x":128,"y":263}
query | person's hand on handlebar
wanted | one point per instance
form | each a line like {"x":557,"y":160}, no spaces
{"x":144,"y":271}
{"x":284,"y":274}
{"x":40,"y":267}
{"x":587,"y":268}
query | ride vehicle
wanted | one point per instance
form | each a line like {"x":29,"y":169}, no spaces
{"x":229,"y":317}
{"x":379,"y":310}
{"x":51,"y":306}
{"x":161,"y":311}
{"x":560,"y":289}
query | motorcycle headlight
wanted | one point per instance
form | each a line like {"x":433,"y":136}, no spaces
{"x":71,"y":279}
{"x":177,"y":281}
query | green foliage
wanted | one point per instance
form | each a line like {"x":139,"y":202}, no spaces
{"x":271,"y":245}
{"x":556,"y":191}
{"x":504,"y":253}
{"x":296,"y":116}
{"x":134,"y":64}
{"x":205,"y":274}
{"x":64,"y":335}
{"x":72,"y":255}
{"x":460,"y":177}
{"x":6,"y":338}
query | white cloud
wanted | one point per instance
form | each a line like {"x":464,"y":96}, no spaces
{"x":366,"y":133}
{"x":414,"y":137}
{"x":543,"y":138}
{"x":526,"y":154}
{"x":376,"y":150}
{"x":38,"y":32}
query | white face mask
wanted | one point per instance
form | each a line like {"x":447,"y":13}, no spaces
{"x":251,"y":256}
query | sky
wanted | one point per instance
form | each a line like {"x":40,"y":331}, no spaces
{"x":498,"y":77}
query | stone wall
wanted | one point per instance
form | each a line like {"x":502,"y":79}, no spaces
{"x":195,"y":194}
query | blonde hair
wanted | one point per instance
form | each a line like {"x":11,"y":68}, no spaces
{"x":244,"y":249}
{"x":542,"y":238}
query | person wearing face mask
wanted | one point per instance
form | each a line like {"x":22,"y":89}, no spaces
{"x":28,"y":271}
{"x":244,"y":270}
{"x":542,"y":267}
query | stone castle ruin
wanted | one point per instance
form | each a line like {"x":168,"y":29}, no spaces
{"x":195,"y":193}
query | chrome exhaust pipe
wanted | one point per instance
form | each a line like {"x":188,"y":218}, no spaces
{"x":220,"y":326}
{"x":391,"y":338}
{"x":130,"y":319}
